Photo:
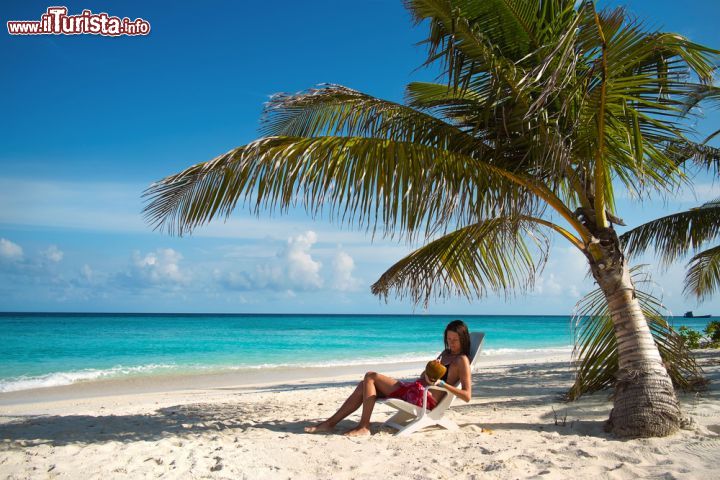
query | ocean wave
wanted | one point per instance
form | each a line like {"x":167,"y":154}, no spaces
{"x":57,"y":379}
{"x":86,"y":375}
{"x":402,"y":358}
{"x":385,"y":360}
{"x":506,"y":351}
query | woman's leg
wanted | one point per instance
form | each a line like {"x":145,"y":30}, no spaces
{"x":356,"y":399}
{"x":351,"y":404}
{"x":373,"y":384}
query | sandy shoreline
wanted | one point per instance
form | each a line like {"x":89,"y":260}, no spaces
{"x":253,"y":377}
{"x":246,"y":426}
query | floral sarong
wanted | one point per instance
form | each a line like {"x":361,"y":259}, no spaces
{"x":412,"y":392}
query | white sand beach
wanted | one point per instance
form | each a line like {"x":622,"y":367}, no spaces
{"x":227,"y":426}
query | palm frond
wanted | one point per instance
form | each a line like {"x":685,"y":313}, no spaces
{"x":675,"y":235}
{"x":703,"y":275}
{"x":596,"y":354}
{"x":515,"y":27}
{"x":335,"y":110}
{"x":463,"y":107}
{"x":492,"y":255}
{"x":704,"y":156}
{"x":639,"y":84}
{"x":465,"y":43}
{"x":401,"y":186}
{"x":590,"y":64}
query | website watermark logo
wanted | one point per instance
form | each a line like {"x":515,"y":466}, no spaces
{"x":56,"y":21}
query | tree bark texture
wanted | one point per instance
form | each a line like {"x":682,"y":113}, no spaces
{"x":645,"y":404}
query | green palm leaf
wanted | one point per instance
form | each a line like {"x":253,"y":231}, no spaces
{"x":334,"y":110}
{"x":703,"y":275}
{"x":462,"y":107}
{"x":703,"y":155}
{"x":403,"y":187}
{"x":464,"y":41}
{"x":644,"y":83}
{"x":595,"y":352}
{"x":488,"y":256}
{"x":675,"y":235}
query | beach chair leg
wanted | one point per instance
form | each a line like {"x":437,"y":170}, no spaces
{"x":397,"y":420}
{"x":414,"y":426}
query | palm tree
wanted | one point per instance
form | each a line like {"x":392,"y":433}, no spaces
{"x":595,"y":352}
{"x":545,"y":107}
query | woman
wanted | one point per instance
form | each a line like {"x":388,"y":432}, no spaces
{"x":456,"y":359}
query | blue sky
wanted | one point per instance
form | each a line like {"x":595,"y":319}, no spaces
{"x":91,"y":121}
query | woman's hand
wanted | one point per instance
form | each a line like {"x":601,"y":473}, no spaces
{"x":437,"y":383}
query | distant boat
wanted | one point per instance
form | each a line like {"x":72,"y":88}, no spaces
{"x":690,"y":315}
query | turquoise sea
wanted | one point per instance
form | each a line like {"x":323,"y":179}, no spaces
{"x":41,"y":349}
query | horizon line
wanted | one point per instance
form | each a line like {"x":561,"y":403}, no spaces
{"x":8,"y":313}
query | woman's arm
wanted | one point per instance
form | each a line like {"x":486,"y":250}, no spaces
{"x":465,"y":393}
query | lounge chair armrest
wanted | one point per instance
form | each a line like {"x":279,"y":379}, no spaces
{"x":434,"y":387}
{"x":427,"y":392}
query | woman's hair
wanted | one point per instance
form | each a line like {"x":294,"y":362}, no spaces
{"x":459,"y":327}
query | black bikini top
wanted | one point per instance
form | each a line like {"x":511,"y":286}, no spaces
{"x":447,"y":367}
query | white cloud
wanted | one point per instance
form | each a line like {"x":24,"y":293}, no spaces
{"x":565,"y":275}
{"x":10,"y":250}
{"x":343,"y":266}
{"x":268,"y":275}
{"x":87,"y":273}
{"x":302,"y":271}
{"x":159,"y":267}
{"x":53,"y":253}
{"x":277,"y":228}
{"x":292,"y":268}
{"x":264,"y":276}
{"x":234,"y":280}
{"x":548,"y":285}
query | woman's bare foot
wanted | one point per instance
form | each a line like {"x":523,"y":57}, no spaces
{"x":358,"y":432}
{"x":320,"y":427}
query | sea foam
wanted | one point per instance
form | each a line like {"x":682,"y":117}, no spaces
{"x":67,"y":378}
{"x":56,"y":379}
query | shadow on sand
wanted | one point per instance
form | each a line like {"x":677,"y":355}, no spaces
{"x":178,"y":421}
{"x":523,"y":386}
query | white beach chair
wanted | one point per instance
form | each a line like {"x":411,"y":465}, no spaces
{"x":411,"y":418}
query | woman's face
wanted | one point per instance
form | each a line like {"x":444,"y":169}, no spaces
{"x":453,"y":341}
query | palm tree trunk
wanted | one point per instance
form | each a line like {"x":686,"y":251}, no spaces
{"x":645,"y":404}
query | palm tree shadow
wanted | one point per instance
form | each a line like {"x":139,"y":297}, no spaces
{"x":286,"y":387}
{"x":594,"y":428}
{"x":523,"y":387}
{"x":192,"y":419}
